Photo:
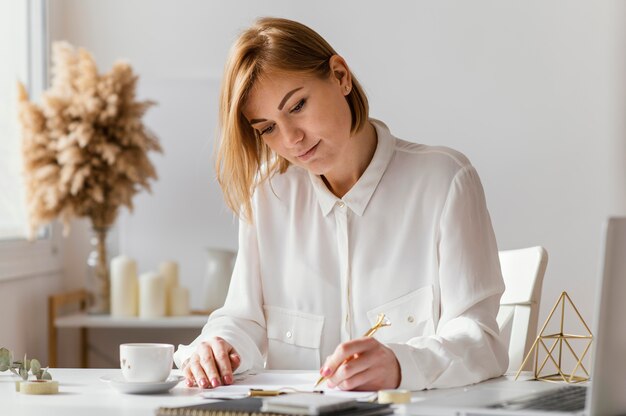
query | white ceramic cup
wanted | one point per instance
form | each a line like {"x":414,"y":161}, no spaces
{"x":146,"y":363}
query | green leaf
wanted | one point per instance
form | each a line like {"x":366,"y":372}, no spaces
{"x":24,"y":373}
{"x":35,"y":367}
{"x":46,"y":375}
{"x":37,"y":374}
{"x":5,"y":359}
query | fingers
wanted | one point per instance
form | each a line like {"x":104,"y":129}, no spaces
{"x":235,"y":360}
{"x":346,"y":377}
{"x":210,"y":367}
{"x":212,"y":364}
{"x":222,"y":361}
{"x":345,"y":351}
{"x":195,"y":372}
{"x":190,"y":380}
{"x":376,"y":366}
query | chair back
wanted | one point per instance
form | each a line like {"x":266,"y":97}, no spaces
{"x":523,"y":270}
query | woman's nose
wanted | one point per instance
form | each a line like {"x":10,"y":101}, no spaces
{"x":293,"y":135}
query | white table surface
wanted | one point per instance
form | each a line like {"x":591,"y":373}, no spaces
{"x":82,"y":393}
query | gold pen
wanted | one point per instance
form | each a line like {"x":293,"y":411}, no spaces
{"x":279,"y":392}
{"x":380,"y":322}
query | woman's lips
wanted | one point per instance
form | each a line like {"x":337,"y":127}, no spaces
{"x":309,"y":153}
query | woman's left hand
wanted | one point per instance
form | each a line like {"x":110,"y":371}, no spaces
{"x":362,"y":364}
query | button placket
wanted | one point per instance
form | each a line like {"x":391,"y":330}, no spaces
{"x":341,"y":220}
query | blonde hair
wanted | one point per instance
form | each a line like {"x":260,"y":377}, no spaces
{"x":271,"y":44}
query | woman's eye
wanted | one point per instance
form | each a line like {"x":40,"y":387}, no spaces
{"x":298,"y":106}
{"x":267,"y":130}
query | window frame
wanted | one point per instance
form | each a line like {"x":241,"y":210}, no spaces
{"x":19,"y":257}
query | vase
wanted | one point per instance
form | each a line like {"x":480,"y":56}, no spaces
{"x":97,"y":283}
{"x":219,"y":268}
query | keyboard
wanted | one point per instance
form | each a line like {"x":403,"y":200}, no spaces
{"x":569,"y":398}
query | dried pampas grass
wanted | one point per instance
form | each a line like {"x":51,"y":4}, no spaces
{"x":85,"y":147}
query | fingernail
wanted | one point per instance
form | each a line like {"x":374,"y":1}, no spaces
{"x":189,"y":383}
{"x":325,"y":371}
{"x":203,"y":383}
{"x":215,"y":382}
{"x":228,"y":379}
{"x":330,"y":385}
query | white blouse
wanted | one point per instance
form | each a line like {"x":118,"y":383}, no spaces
{"x":412,"y":239}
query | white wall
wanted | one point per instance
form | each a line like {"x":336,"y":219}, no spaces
{"x":533,"y":92}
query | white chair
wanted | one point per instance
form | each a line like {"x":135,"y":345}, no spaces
{"x":523,"y":271}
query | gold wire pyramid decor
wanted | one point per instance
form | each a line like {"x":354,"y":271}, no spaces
{"x":559,"y":343}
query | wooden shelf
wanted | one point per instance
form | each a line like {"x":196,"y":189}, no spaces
{"x":83,"y":320}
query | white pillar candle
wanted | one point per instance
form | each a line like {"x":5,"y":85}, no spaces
{"x":124,"y":286}
{"x":169,"y":271}
{"x":151,"y":295}
{"x":179,"y":301}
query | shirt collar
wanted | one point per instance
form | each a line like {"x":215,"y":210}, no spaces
{"x":359,"y":196}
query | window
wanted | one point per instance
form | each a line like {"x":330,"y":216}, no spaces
{"x":14,"y":58}
{"x":23,"y":40}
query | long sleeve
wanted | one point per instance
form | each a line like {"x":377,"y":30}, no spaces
{"x":240,"y":321}
{"x":465,"y":348}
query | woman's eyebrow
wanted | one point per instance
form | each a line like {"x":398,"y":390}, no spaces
{"x":280,"y":106}
{"x":286,"y":97}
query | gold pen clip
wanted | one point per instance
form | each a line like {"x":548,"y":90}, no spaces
{"x":265,"y":393}
{"x":284,"y":390}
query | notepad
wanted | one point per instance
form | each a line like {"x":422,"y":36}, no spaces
{"x":307,"y":404}
{"x":251,"y":406}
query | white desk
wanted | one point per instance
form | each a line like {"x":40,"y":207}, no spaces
{"x":81,"y":393}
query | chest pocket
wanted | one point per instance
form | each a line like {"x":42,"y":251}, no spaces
{"x":293,"y":339}
{"x":410,"y":315}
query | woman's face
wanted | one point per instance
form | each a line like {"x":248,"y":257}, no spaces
{"x":304,"y":119}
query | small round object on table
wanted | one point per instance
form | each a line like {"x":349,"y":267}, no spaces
{"x":39,"y":387}
{"x":394,"y":396}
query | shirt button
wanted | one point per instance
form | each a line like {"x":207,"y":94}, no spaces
{"x":341,"y":204}
{"x":288,"y":334}
{"x":410,"y":319}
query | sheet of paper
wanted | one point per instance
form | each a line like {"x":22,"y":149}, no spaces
{"x":275,"y":380}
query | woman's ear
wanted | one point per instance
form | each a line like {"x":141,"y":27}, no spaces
{"x":341,"y":73}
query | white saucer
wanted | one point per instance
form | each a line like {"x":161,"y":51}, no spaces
{"x":123,"y":386}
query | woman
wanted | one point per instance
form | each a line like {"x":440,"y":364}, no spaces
{"x":341,"y":221}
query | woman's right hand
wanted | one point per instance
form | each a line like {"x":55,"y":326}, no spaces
{"x":212,"y":364}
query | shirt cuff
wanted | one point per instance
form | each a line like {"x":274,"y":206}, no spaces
{"x":412,"y":376}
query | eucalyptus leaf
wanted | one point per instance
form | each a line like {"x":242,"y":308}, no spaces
{"x":35,"y":366}
{"x":22,"y":368}
{"x":5,"y":356}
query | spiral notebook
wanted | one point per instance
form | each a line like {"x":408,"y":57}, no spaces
{"x":251,"y":406}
